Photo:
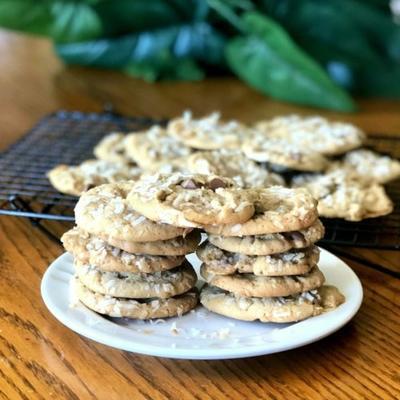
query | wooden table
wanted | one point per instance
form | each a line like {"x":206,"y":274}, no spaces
{"x":41,"y":359}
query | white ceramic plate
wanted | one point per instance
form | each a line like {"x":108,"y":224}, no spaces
{"x":199,"y":334}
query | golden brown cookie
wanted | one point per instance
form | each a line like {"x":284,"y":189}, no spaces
{"x":271,"y":243}
{"x":104,"y":212}
{"x":282,"y":153}
{"x":341,"y":195}
{"x":292,"y":262}
{"x":136,"y":308}
{"x":112,"y":148}
{"x":250,"y":285}
{"x":190,"y":200}
{"x":271,"y":309}
{"x":208,"y":133}
{"x":137,"y":286}
{"x":77,"y":179}
{"x":172,"y":247}
{"x":233,"y":164}
{"x":92,"y":250}
{"x":369,"y":166}
{"x":313,"y":132}
{"x":277,"y":209}
{"x":154,"y":148}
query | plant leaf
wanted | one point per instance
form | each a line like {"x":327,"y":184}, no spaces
{"x":198,"y":41}
{"x":63,"y":21}
{"x":73,"y":22}
{"x":166,"y":67}
{"x":310,"y":21}
{"x":27,"y":16}
{"x":269,"y":60}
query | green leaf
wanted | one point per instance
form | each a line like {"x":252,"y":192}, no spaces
{"x":382,"y":79}
{"x":269,"y":61}
{"x":311,"y":21}
{"x":129,"y":16}
{"x":63,"y":21}
{"x":73,"y":22}
{"x":166,"y":67}
{"x":27,"y":16}
{"x":376,"y":25}
{"x":198,"y":41}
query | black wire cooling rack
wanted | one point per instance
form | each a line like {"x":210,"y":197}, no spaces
{"x":69,"y":137}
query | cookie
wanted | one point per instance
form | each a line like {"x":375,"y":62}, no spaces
{"x":104,"y":211}
{"x":207,"y":133}
{"x":95,"y":251}
{"x":138,"y":309}
{"x":313,"y":132}
{"x":233,"y":164}
{"x":137,"y":286}
{"x":292,"y":262}
{"x":190,"y":200}
{"x":77,"y":179}
{"x":277,"y":209}
{"x":283,"y":153}
{"x":271,"y":309}
{"x":178,"y":246}
{"x":341,"y":195}
{"x":154,"y":148}
{"x":250,"y":285}
{"x":112,"y":148}
{"x":272,"y":243}
{"x":369,"y":166}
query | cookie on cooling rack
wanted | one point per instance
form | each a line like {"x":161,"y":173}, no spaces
{"x":77,"y":179}
{"x":314,"y":133}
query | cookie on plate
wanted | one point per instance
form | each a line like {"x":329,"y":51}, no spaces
{"x":233,"y":164}
{"x":292,"y":262}
{"x":282,"y":153}
{"x":136,"y":308}
{"x":154,"y":148}
{"x":250,"y":285}
{"x":77,"y":179}
{"x":272,"y":243}
{"x":341,"y":195}
{"x":277,"y":209}
{"x":137,"y":286}
{"x":207,"y":133}
{"x":271,"y":309}
{"x":369,"y":166}
{"x":177,"y":246}
{"x":313,"y":132}
{"x":112,"y":148}
{"x":104,"y":212}
{"x":190,"y":200}
{"x":88,"y":249}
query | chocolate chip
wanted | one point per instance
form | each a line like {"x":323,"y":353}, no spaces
{"x":216,"y":183}
{"x":295,"y":236}
{"x":190,"y":184}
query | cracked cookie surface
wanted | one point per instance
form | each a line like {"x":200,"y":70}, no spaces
{"x":277,"y":209}
{"x":190,"y":200}
{"x":271,"y":309}
{"x":105,"y":212}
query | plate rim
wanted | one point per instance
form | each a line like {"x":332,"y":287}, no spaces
{"x":182,"y":353}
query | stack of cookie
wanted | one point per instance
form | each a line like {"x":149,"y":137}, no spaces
{"x":266,"y":268}
{"x":127,"y":265}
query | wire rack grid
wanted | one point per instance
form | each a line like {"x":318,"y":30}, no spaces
{"x":69,"y":137}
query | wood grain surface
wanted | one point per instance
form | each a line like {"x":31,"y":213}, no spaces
{"x":42,"y":359}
